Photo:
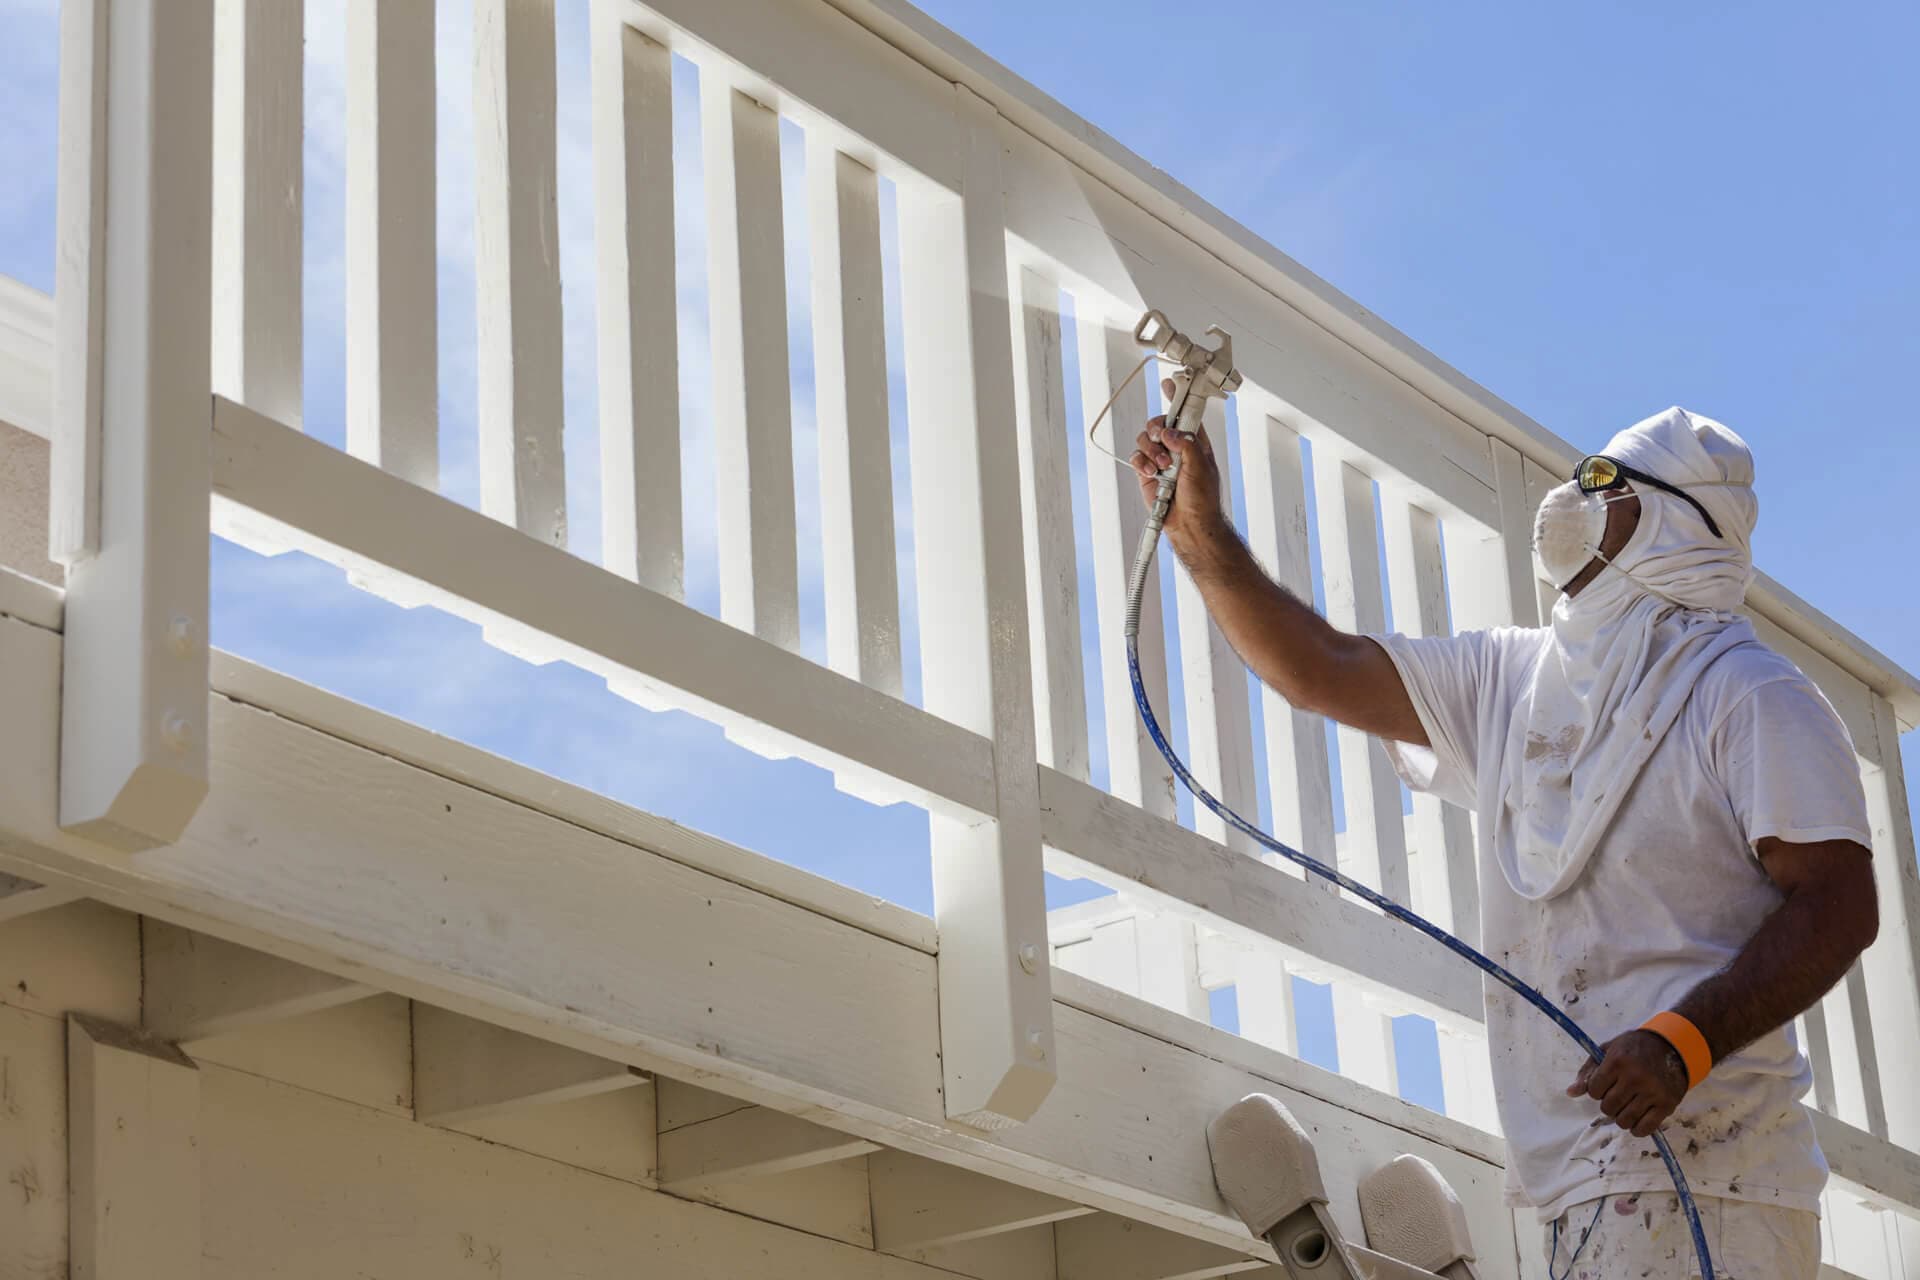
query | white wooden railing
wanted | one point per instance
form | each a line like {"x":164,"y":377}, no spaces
{"x":1021,"y":231}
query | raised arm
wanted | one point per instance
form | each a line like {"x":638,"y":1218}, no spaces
{"x":1309,"y":662}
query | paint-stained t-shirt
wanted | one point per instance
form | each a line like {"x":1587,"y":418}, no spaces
{"x":1672,"y":895}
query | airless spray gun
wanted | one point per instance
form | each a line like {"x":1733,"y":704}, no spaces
{"x":1202,"y":374}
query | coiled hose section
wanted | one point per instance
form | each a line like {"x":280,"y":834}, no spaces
{"x":1136,"y":587}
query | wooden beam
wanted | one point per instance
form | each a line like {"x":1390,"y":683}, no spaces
{"x":444,"y":757}
{"x":754,"y":1143}
{"x":1877,"y":1171}
{"x":921,"y":1204}
{"x":20,"y":897}
{"x":198,"y":986}
{"x":988,"y":882}
{"x":466,"y":1070}
{"x":133,"y":1116}
{"x":682,"y":1104}
{"x":356,"y":516}
{"x":135,"y":708}
{"x":1104,"y":1247}
{"x":1092,"y":834}
{"x":31,"y":601}
{"x":611,"y":1133}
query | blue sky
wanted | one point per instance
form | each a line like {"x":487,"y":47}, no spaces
{"x":1594,"y":212}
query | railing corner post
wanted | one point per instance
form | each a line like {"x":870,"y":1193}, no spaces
{"x":996,"y":1000}
{"x":133,"y":418}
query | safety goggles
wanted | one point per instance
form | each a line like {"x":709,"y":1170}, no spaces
{"x":1597,"y":473}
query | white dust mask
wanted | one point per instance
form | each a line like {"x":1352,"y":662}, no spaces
{"x":1566,"y":532}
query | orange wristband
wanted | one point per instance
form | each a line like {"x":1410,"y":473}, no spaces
{"x":1687,"y":1040}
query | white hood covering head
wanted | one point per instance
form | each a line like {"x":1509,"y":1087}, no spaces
{"x":1624,"y":654}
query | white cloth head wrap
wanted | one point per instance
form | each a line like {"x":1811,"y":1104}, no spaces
{"x":1624,"y":654}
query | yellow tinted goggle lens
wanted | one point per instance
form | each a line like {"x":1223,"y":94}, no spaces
{"x":1598,"y":473}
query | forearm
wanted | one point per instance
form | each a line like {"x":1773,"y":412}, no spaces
{"x":1798,"y":954}
{"x":1278,"y":635}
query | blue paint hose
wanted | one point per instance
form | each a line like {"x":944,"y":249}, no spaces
{"x":1142,"y":564}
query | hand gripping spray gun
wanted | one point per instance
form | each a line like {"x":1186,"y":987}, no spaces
{"x":1201,"y":375}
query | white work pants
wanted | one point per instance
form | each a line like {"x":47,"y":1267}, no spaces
{"x":1644,"y":1236}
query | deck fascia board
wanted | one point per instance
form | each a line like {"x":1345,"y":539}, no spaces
{"x":359,"y":889}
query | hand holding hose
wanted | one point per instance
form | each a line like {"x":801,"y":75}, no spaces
{"x":1197,"y":512}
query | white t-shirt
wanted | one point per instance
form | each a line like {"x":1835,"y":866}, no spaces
{"x":1673,"y":893}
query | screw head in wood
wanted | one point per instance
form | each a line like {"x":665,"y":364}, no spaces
{"x":180,"y":637}
{"x":176,"y":731}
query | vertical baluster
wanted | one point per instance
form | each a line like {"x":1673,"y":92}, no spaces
{"x":1490,"y":579}
{"x":133,"y":755}
{"x":1298,"y":775}
{"x":850,"y":389}
{"x":1446,"y":890}
{"x":1375,"y":848}
{"x":1135,"y":768}
{"x":1112,"y":956}
{"x":752,"y":413}
{"x":639,"y":374}
{"x":517,"y":268}
{"x":1865,"y":1055}
{"x":1846,"y":1035}
{"x":996,"y":1012}
{"x":393,"y":353}
{"x":1538,"y":481}
{"x":1046,"y":512}
{"x":1263,"y":989}
{"x":1478,"y":595}
{"x":1445,"y":887}
{"x":258,"y":65}
{"x":1219,"y":722}
{"x":1892,"y":964}
{"x":1169,"y":965}
{"x":1811,"y":1030}
{"x":1512,"y":553}
{"x":80,"y":276}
